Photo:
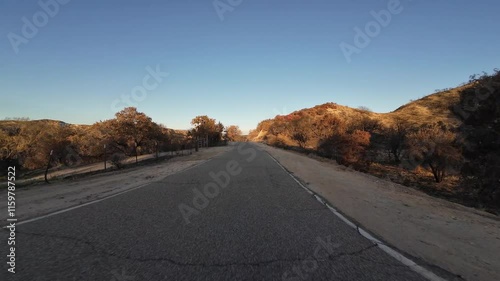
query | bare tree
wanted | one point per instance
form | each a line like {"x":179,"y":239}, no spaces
{"x":436,"y":149}
{"x":396,"y":139}
{"x":301,"y":138}
{"x":364,"y":108}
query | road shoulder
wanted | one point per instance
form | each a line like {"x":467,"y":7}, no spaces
{"x":38,"y":200}
{"x":458,"y":239}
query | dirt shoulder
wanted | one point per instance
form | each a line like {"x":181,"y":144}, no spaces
{"x":62,"y":172}
{"x":35,"y":200}
{"x":459,"y":239}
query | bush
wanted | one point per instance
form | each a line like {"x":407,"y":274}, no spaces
{"x":434,"y":148}
{"x":347,"y":148}
{"x":278,"y":142}
{"x":396,"y":139}
{"x":301,"y":138}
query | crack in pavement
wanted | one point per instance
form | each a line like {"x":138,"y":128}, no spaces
{"x":100,"y":250}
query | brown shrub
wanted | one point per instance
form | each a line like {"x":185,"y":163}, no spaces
{"x":346,"y":148}
{"x":278,"y":141}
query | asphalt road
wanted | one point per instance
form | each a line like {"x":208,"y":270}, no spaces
{"x":257,"y":223}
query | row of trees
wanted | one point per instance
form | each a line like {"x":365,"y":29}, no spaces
{"x":209,"y":130}
{"x":29,"y":143}
{"x":129,"y":133}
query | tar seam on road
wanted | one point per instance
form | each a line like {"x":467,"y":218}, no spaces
{"x":100,"y":199}
{"x":388,"y":250}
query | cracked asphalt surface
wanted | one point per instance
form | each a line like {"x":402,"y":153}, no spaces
{"x":261,"y":226}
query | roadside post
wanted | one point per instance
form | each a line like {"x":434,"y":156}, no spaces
{"x":104,"y":157}
{"x":136,"y":153}
{"x":156,"y":149}
{"x":48,"y":166}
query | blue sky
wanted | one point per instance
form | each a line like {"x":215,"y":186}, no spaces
{"x":266,"y":57}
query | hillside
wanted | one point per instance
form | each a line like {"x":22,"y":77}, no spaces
{"x":434,"y":108}
{"x":29,"y":143}
{"x":10,"y":123}
{"x":447,"y":142}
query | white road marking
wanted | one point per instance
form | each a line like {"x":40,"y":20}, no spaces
{"x":320,"y":200}
{"x":346,"y":220}
{"x":100,"y":199}
{"x":78,"y":206}
{"x":388,"y":250}
{"x":368,"y":236}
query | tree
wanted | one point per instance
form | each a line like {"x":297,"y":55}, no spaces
{"x":434,"y":148}
{"x":233,"y":133}
{"x":301,"y":138}
{"x":301,"y":130}
{"x":217,"y":135}
{"x":206,"y":127}
{"x":131,"y":130}
{"x":346,"y":148}
{"x":203,"y":124}
{"x":364,"y":108}
{"x":396,"y":139}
